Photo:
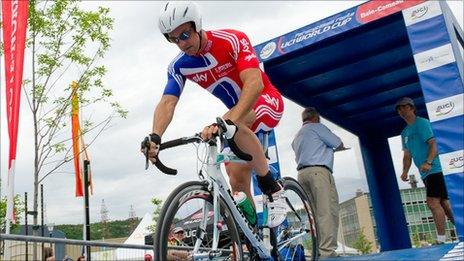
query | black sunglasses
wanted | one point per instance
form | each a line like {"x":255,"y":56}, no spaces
{"x":185,"y":35}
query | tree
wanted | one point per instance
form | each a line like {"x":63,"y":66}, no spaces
{"x":18,"y":206}
{"x":66,"y":43}
{"x":362,"y":244}
{"x":415,"y":238}
{"x":156,"y":213}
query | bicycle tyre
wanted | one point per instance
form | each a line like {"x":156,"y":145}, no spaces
{"x":291,"y":184}
{"x":193,"y":190}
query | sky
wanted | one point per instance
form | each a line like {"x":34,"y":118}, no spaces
{"x":136,"y":64}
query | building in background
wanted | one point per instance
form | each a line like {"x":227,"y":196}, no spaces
{"x":356,"y":215}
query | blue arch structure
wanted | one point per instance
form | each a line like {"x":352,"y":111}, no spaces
{"x":354,"y":66}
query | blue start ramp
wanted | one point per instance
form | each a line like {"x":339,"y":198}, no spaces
{"x":446,"y":252}
{"x":355,"y":65}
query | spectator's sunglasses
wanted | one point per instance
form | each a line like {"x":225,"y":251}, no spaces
{"x":185,"y":35}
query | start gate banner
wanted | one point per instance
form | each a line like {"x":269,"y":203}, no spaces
{"x":331,"y":26}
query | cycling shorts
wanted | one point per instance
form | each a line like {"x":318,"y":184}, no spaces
{"x":269,"y":109}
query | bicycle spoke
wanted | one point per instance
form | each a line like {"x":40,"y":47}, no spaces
{"x":297,"y":235}
{"x":292,"y":208}
{"x":192,"y":211}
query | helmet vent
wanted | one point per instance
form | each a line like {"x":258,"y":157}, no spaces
{"x":174,"y":14}
{"x":166,"y":7}
{"x":185,"y":12}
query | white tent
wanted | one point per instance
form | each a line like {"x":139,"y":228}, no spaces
{"x":344,"y":250}
{"x":136,"y":238}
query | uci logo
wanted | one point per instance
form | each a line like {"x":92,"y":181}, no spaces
{"x":418,"y":13}
{"x":456,"y":162}
{"x":444,"y":108}
{"x":430,"y":59}
{"x":268,"y":50}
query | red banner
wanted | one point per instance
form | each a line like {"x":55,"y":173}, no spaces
{"x":14,"y":21}
{"x":377,"y":9}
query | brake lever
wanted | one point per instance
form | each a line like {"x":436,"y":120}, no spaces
{"x":145,"y":146}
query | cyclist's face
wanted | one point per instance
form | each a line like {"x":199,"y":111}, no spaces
{"x":186,"y":38}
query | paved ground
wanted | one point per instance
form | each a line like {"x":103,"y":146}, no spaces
{"x":444,"y":252}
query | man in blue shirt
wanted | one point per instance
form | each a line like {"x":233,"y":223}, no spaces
{"x":314,"y":147}
{"x":419,"y":145}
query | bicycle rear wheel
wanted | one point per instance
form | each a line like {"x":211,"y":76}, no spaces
{"x":190,"y":208}
{"x":298,"y":232}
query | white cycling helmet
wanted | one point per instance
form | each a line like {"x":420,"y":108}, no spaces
{"x":175,"y":13}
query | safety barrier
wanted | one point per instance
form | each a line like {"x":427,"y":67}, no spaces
{"x":22,"y":248}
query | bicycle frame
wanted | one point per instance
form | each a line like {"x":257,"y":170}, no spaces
{"x":218,"y":187}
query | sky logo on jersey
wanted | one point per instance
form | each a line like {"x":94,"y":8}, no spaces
{"x":250,"y":57}
{"x":245,"y":45}
{"x":200,"y":77}
{"x":272,"y":100}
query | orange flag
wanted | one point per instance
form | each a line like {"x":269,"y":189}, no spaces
{"x":78,"y":144}
{"x":76,"y":134}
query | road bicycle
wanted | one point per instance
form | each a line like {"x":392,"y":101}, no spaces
{"x":214,"y":227}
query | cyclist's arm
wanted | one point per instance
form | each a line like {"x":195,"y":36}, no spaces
{"x":163,"y":113}
{"x":252,"y":83}
{"x":252,"y":87}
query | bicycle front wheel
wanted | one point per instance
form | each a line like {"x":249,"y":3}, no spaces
{"x":297,"y":236}
{"x":186,"y":227}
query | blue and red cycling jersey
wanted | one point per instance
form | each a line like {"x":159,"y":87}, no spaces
{"x":217,"y":69}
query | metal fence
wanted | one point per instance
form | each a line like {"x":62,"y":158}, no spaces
{"x":22,"y":248}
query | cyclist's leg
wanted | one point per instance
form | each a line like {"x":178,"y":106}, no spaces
{"x":265,"y":115}
{"x":248,"y":142}
{"x":240,"y":177}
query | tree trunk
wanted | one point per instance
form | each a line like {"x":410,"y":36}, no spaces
{"x":35,"y":105}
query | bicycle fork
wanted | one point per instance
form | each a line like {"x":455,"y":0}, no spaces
{"x":214,"y":252}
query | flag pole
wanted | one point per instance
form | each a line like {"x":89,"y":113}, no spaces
{"x":86,"y":205}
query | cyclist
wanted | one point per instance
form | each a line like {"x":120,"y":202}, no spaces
{"x":224,"y":63}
